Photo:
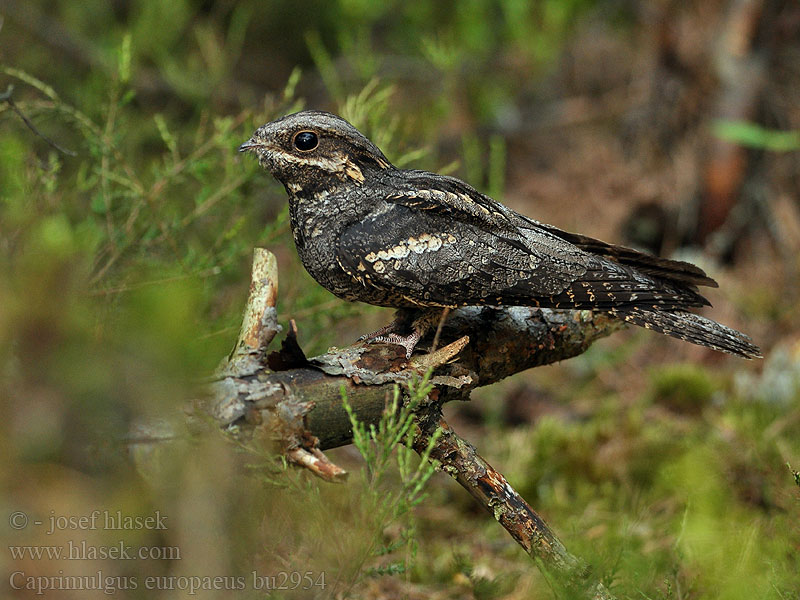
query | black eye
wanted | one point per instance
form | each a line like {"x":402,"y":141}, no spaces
{"x":306,"y":140}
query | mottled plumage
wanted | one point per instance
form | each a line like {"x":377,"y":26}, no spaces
{"x":370,"y":232}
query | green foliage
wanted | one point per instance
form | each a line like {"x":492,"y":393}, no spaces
{"x":483,"y":587}
{"x":718,"y":536}
{"x":664,"y":500}
{"x":683,"y":388}
{"x":753,"y":135}
{"x":490,"y":172}
{"x":386,"y":447}
{"x":795,"y":474}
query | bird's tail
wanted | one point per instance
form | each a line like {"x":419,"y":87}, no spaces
{"x":695,"y":329}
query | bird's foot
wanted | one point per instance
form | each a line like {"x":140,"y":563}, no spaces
{"x":406,"y":341}
{"x":390,"y":328}
{"x":420,"y":325}
{"x":388,"y":334}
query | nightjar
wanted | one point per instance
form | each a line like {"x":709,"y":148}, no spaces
{"x":423,"y":242}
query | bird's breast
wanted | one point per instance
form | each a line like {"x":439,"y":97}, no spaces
{"x":316,"y":235}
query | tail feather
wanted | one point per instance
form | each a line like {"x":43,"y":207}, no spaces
{"x":695,"y":329}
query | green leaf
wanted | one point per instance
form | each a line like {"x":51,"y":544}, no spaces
{"x":124,"y":59}
{"x":752,"y":135}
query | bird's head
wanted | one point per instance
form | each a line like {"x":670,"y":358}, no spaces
{"x":312,"y":150}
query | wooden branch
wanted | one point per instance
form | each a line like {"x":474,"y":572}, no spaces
{"x":294,"y":404}
{"x":458,"y":458}
{"x":260,"y":320}
{"x":481,"y":346}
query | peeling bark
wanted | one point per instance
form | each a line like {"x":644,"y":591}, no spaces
{"x":294,"y":404}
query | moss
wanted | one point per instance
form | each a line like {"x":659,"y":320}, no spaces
{"x":683,"y":388}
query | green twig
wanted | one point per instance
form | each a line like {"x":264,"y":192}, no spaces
{"x":6,"y":97}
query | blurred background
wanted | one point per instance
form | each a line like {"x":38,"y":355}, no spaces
{"x":128,"y":221}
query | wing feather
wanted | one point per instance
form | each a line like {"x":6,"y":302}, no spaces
{"x":440,"y":242}
{"x":464,"y":201}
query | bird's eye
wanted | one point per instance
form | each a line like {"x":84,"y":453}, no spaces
{"x":306,"y":140}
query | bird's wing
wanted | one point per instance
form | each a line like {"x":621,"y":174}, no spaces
{"x":677,"y":271}
{"x":432,"y":258}
{"x":452,"y":197}
{"x":464,"y":202}
{"x":436,"y":241}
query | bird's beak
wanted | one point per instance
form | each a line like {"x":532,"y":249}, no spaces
{"x":248,"y":145}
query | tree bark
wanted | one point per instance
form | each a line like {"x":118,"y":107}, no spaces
{"x":294,"y":404}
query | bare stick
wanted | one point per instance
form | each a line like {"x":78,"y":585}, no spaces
{"x":260,"y":320}
{"x":458,"y":458}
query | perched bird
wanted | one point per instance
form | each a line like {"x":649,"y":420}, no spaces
{"x":421,"y":242}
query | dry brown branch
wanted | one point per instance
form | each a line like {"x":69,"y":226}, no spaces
{"x":294,"y":404}
{"x":458,"y":458}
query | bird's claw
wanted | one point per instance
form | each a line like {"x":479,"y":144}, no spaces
{"x":406,"y":341}
{"x":386,"y":329}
